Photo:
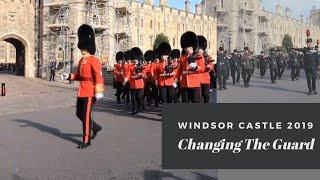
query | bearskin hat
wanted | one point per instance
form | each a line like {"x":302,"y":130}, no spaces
{"x":202,"y":42}
{"x":235,"y":51}
{"x":309,"y":40}
{"x":128,"y":55}
{"x":86,"y":38}
{"x":136,"y":53}
{"x":221,"y":49}
{"x":246,"y":49}
{"x":156,"y":54}
{"x":164,"y":49}
{"x":175,"y":54}
{"x":149,"y":55}
{"x":189,"y":39}
{"x":272,"y":49}
{"x":119,"y":56}
{"x":183,"y":52}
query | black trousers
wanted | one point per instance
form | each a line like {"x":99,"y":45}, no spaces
{"x":148,"y":91}
{"x":52,"y":75}
{"x":281,"y":71}
{"x":177,"y":93}
{"x":119,"y":90}
{"x":136,"y":99}
{"x":273,"y":74}
{"x":167,"y":94}
{"x":205,"y":93}
{"x":263,"y":70}
{"x":222,"y":79}
{"x":235,"y":73}
{"x":294,"y":71}
{"x":192,"y":95}
{"x":311,"y":75}
{"x":246,"y":75}
{"x":155,"y":94}
{"x":126,"y":92}
{"x":84,"y":113}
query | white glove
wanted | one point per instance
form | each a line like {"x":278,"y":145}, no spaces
{"x":64,"y":76}
{"x":175,"y":85}
{"x":99,"y":96}
{"x":193,"y":65}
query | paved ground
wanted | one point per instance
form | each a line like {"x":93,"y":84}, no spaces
{"x":39,"y":134}
{"x":262,"y":91}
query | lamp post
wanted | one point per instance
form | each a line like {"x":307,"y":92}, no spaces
{"x":72,"y":40}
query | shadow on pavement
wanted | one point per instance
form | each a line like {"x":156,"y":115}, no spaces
{"x":278,"y":89}
{"x":110,"y":106}
{"x":49,"y":130}
{"x":159,"y":175}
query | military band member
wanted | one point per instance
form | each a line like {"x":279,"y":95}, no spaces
{"x":135,"y":77}
{"x":205,"y":76}
{"x":281,"y":63}
{"x":126,"y":69}
{"x":222,"y":69}
{"x":235,"y":66}
{"x":149,"y":57}
{"x":91,"y":83}
{"x":272,"y":60}
{"x":191,"y":65}
{"x":119,"y":75}
{"x":263,"y":61}
{"x":311,"y":65}
{"x":247,"y":66}
{"x":295,"y":65}
{"x":165,"y":75}
{"x":175,"y":56}
{"x":155,"y":88}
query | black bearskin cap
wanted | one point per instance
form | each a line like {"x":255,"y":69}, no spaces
{"x":149,"y":55}
{"x":156,"y":54}
{"x":202,"y":42}
{"x":119,"y":56}
{"x":246,"y":49}
{"x":309,"y":40}
{"x":136,"y":53}
{"x":86,"y":38}
{"x":183,"y":52}
{"x":175,"y":54}
{"x":128,"y":55}
{"x":235,"y":51}
{"x":272,"y":49}
{"x":189,"y":39}
{"x":164,"y":49}
{"x":221,"y":49}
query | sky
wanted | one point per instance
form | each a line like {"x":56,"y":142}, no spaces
{"x":298,"y":7}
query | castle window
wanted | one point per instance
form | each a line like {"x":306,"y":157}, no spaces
{"x":151,"y":23}
{"x":174,"y":42}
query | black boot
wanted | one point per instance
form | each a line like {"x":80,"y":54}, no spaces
{"x":84,"y":145}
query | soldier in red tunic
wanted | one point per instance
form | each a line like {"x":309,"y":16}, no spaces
{"x":119,"y":75}
{"x":135,"y":76}
{"x":205,"y":76}
{"x":175,"y":56}
{"x":126,"y":84}
{"x":191,"y":66}
{"x":165,"y":75}
{"x":149,"y":57}
{"x":91,"y":88}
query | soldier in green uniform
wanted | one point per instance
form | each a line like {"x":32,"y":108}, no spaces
{"x":235,"y":66}
{"x":281,"y":63}
{"x":262,"y":64}
{"x":222,"y":68}
{"x":272,"y":59}
{"x":295,"y":65}
{"x":247,"y":66}
{"x":311,"y":65}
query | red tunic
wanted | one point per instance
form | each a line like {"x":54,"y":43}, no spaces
{"x":118,"y":72}
{"x":167,"y":80}
{"x":135,"y":82}
{"x":89,"y":74}
{"x":190,"y":79}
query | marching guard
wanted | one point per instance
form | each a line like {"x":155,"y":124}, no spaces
{"x":222,"y":69}
{"x":247,"y":66}
{"x":126,"y":69}
{"x":205,"y":76}
{"x":165,"y":75}
{"x":119,"y":75}
{"x":272,"y":59}
{"x":191,"y":65}
{"x":263,"y":61}
{"x":91,"y":83}
{"x":235,"y":66}
{"x":175,"y":56}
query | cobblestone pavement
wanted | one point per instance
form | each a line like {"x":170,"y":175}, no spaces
{"x":39,"y":134}
{"x":262,"y":91}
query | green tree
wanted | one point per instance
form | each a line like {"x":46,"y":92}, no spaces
{"x":287,"y":43}
{"x":160,"y":39}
